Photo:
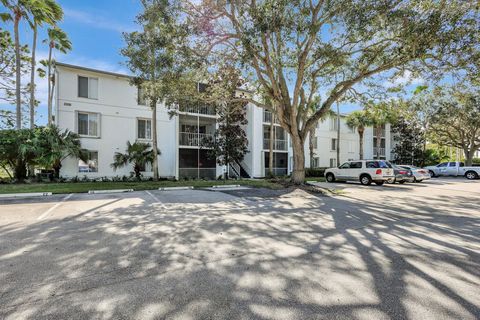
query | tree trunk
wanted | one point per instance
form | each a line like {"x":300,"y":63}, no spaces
{"x":311,"y":145}
{"x":20,"y":170}
{"x":379,"y":140}
{"x":154,"y":139}
{"x":360,"y":138}
{"x":468,"y":156}
{"x":32,"y":78}
{"x":270,"y":147}
{"x":298,"y":174}
{"x":50,"y":84}
{"x":56,"y":170}
{"x":136,"y":169}
{"x":18,"y":70}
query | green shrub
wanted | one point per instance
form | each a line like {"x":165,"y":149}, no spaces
{"x":315,"y":172}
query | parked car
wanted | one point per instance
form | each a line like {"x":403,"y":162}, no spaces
{"x":365,"y":171}
{"x":419,"y":174}
{"x":454,"y":168}
{"x":402,"y":175}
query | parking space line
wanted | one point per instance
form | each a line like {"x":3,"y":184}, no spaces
{"x":46,"y":213}
{"x":155,"y":199}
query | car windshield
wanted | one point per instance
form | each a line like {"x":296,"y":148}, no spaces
{"x":384,"y":164}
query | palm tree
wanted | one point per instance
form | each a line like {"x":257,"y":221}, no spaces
{"x":359,"y":119}
{"x":138,"y":154}
{"x":57,"y":39}
{"x":17,"y":10}
{"x":53,"y":146}
{"x":43,"y":11}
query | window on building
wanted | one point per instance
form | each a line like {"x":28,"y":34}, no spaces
{"x":87,"y":87}
{"x":333,"y":162}
{"x":88,"y":124}
{"x":141,"y":97}
{"x":333,"y":124}
{"x":91,"y":164}
{"x":144,"y":129}
{"x":316,"y":162}
{"x":315,"y":142}
{"x":351,"y":147}
{"x":352,"y":129}
{"x":334,"y":144}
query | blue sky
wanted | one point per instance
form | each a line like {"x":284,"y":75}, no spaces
{"x":95,"y":29}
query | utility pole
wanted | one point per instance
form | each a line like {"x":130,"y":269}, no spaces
{"x":338,"y":135}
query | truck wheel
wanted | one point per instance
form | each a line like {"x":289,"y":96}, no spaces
{"x":330,"y":177}
{"x":365,"y":180}
{"x":471,"y":175}
{"x":432,"y":174}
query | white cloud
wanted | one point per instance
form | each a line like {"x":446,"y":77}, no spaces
{"x":97,"y":21}
{"x":404,"y":79}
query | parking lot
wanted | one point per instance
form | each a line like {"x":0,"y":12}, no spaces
{"x":393,"y":252}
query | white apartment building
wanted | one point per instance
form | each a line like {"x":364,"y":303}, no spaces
{"x":106,"y":110}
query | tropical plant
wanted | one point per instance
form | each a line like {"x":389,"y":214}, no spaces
{"x":17,"y":9}
{"x":52,"y":146}
{"x":359,"y":119}
{"x":17,"y":151}
{"x":58,"y":40}
{"x":138,"y":154}
{"x":41,"y":11}
{"x":293,"y":50}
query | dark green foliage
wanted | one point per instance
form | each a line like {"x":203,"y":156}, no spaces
{"x":314,"y":172}
{"x":138,"y":154}
{"x":409,"y":140}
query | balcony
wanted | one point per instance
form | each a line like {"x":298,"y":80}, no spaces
{"x":381,"y":152}
{"x":194,"y":139}
{"x":277,"y":144}
{"x":267,"y":117}
{"x":198,"y":108}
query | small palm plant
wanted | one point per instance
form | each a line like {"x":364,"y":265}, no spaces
{"x":138,"y":154}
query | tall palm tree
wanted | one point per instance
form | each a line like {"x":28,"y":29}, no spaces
{"x":42,"y":11}
{"x":138,"y":154}
{"x":58,"y":40}
{"x":359,"y":119}
{"x":17,"y":10}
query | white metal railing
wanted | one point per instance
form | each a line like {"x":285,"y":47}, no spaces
{"x":197,"y":173}
{"x":277,"y":144}
{"x":234,"y":170}
{"x":198,"y":108}
{"x":381,"y":151}
{"x":194,"y":139}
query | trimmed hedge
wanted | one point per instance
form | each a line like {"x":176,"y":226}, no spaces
{"x":315,"y":172}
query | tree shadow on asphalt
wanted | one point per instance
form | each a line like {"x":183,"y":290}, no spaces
{"x":299,"y":256}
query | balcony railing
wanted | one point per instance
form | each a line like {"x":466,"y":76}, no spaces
{"x":277,"y":144}
{"x":267,"y":117}
{"x":380,"y":153}
{"x":194,"y":139}
{"x":277,"y":171}
{"x":197,"y":173}
{"x":198,"y":108}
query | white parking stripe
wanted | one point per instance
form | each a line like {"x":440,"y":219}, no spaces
{"x":155,"y":198}
{"x":46,"y":213}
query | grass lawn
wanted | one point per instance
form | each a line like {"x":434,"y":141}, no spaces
{"x":77,"y":187}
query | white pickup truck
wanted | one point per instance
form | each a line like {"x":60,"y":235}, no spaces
{"x":454,"y":169}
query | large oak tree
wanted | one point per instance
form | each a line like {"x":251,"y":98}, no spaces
{"x":304,"y":53}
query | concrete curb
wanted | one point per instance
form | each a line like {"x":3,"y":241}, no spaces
{"x":109,"y":191}
{"x":175,"y":188}
{"x":25,"y":195}
{"x":227,"y":186}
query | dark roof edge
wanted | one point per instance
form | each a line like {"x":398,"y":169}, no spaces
{"x":66,"y":65}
